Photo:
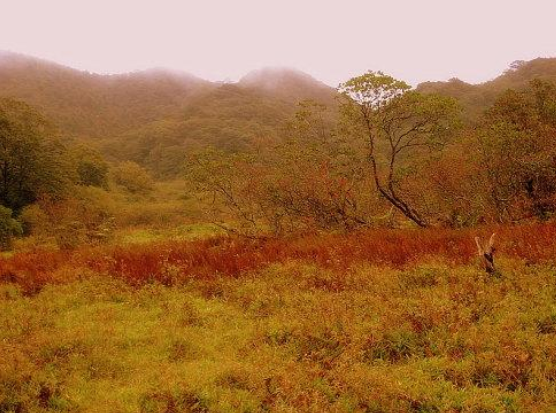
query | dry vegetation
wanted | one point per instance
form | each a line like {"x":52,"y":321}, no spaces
{"x":176,"y":262}
{"x":376,"y":321}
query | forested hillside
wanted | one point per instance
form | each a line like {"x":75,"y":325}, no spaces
{"x":90,"y":105}
{"x":228,"y":117}
{"x":476,"y":98}
{"x":163,"y":105}
{"x":153,"y":117}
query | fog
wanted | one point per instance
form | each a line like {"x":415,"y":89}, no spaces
{"x":223,"y":40}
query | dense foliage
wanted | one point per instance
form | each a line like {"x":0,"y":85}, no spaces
{"x":32,"y":161}
{"x":391,"y":150}
{"x":476,"y":98}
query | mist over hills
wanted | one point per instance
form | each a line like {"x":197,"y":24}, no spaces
{"x":287,"y":83}
{"x":93,"y":105}
{"x":155,"y":116}
{"x":90,"y":105}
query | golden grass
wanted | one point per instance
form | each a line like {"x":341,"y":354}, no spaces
{"x":431,"y":338}
{"x":377,"y":321}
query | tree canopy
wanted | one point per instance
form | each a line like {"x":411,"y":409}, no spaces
{"x":32,"y":161}
{"x":396,"y":124}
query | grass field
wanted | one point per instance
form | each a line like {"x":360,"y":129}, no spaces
{"x":322,"y":324}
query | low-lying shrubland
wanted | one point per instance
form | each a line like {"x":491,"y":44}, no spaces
{"x":376,"y":321}
{"x":175,"y":262}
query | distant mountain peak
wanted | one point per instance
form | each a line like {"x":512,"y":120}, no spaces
{"x":7,"y":55}
{"x":287,"y":83}
{"x":272,"y":76}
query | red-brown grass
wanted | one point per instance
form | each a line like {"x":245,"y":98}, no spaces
{"x":170,"y":262}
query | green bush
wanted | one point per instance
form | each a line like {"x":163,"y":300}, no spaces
{"x":86,"y":219}
{"x":9,"y":228}
{"x":91,"y":168}
{"x":133,"y":178}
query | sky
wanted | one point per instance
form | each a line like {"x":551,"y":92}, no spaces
{"x":413,"y":40}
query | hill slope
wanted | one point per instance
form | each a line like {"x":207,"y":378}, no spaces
{"x":227,"y":117}
{"x":154,"y":116}
{"x":91,"y":105}
{"x":476,"y":98}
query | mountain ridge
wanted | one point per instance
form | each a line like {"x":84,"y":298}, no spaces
{"x":157,"y":115}
{"x":85,"y":104}
{"x":477,"y":97}
{"x":29,"y":60}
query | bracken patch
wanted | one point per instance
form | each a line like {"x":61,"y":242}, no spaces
{"x":176,"y":262}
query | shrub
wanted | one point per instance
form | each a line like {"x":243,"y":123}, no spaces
{"x":33,"y":219}
{"x":91,"y":168}
{"x":9,"y":228}
{"x":85,"y":219}
{"x":132,"y":177}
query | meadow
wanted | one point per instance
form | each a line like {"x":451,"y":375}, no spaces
{"x":370,"y":321}
{"x":169,"y":244}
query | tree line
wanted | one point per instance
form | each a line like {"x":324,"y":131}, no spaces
{"x":389,"y":155}
{"x":50,"y":184}
{"x":384,"y":155}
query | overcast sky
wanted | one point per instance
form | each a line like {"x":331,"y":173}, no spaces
{"x":474,"y":40}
